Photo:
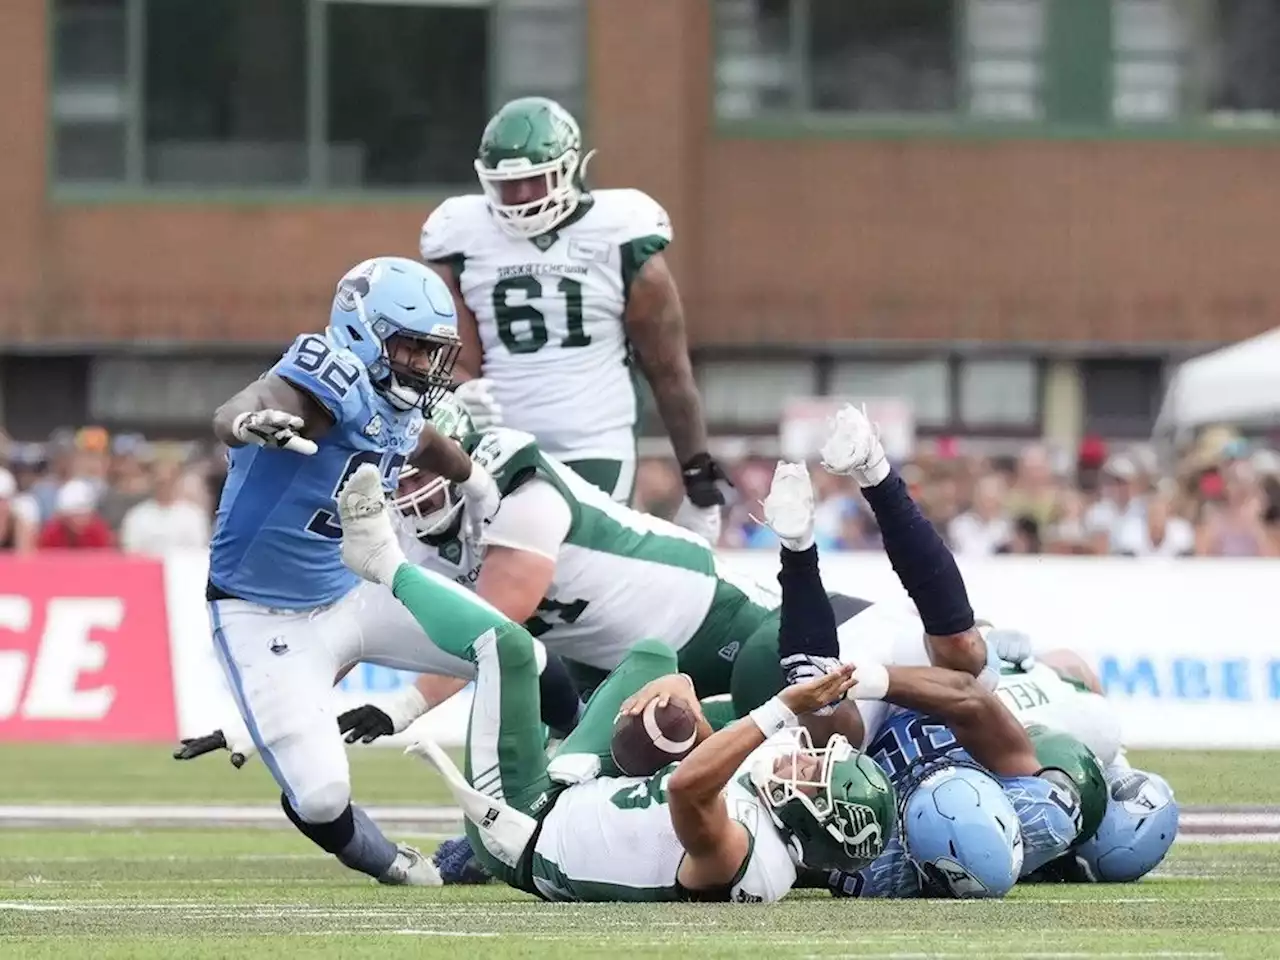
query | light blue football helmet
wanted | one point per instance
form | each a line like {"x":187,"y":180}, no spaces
{"x":1137,"y":829}
{"x":387,"y":299}
{"x":961,"y":832}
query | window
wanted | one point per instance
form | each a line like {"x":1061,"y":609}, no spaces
{"x":926,"y":384}
{"x":879,"y":57}
{"x":166,"y":390}
{"x":752,"y":392}
{"x":1186,"y":58}
{"x":1121,"y":397}
{"x":225,"y":92}
{"x":999,"y":393}
{"x":297,"y":94}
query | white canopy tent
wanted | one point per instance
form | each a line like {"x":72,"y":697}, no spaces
{"x":1237,"y":385}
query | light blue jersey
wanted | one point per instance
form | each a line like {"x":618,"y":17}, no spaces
{"x":276,"y":541}
{"x":1048,"y":816}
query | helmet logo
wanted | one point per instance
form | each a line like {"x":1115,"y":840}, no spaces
{"x":860,"y":832}
{"x":357,"y":283}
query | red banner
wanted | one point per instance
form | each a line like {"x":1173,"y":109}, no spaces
{"x":84,"y":649}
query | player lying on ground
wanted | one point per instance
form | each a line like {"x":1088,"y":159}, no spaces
{"x":557,"y":289}
{"x":284,"y":611}
{"x":962,"y":831}
{"x":1058,"y":690}
{"x":731,"y":822}
{"x":1135,"y":833}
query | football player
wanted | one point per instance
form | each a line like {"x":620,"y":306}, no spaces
{"x":733,"y":821}
{"x":1060,"y":691}
{"x":560,"y":292}
{"x":284,"y":611}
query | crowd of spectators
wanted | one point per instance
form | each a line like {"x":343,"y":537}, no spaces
{"x":87,"y":489}
{"x":1221,"y":498}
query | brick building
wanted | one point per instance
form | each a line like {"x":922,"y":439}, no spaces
{"x":1051,"y":245}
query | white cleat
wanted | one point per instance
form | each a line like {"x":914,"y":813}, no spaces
{"x":788,"y":509}
{"x":369,"y":545}
{"x":411,"y":869}
{"x":853,"y":448}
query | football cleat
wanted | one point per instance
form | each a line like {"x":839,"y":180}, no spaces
{"x":853,"y":448}
{"x":369,"y":545}
{"x":411,"y":869}
{"x":788,"y":508}
{"x":457,"y":863}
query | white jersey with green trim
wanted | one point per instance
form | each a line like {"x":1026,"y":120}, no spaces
{"x":549,"y":312}
{"x":1041,"y":696}
{"x":622,"y":575}
{"x":612,"y":839}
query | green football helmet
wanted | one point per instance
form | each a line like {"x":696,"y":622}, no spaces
{"x":1072,"y":765}
{"x":529,"y":138}
{"x":432,"y":507}
{"x":841,"y":820}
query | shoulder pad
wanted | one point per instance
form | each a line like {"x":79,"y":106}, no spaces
{"x":634,"y":214}
{"x":509,"y":455}
{"x":444,"y":235}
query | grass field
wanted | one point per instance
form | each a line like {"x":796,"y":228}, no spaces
{"x":214,"y":893}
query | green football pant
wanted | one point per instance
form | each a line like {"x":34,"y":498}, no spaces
{"x":506,"y":750}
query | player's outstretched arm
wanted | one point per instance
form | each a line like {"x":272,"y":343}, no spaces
{"x":715,"y":844}
{"x":271,"y":394}
{"x":980,"y":722}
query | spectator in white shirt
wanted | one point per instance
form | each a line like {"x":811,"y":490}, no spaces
{"x":984,"y":528}
{"x":1120,"y":503}
{"x":1158,"y":533}
{"x":165,"y":522}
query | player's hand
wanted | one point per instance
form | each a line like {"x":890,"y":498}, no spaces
{"x":803,"y":667}
{"x":815,"y":694}
{"x":273,"y":428}
{"x":1012,"y":646}
{"x":705,"y":482}
{"x":704,"y":521}
{"x":664,"y":689}
{"x":191,"y":747}
{"x":365,"y":723}
{"x":477,"y":399}
{"x":480,"y":501}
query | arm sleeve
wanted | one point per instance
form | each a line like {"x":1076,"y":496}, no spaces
{"x":535,"y":518}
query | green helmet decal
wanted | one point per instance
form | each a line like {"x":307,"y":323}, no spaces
{"x":1072,"y":765}
{"x":843,"y":819}
{"x":532,"y":139}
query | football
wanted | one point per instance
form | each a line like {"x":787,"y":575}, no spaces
{"x":644,"y":743}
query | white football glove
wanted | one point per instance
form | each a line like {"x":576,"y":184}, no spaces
{"x":477,"y":399}
{"x":272,"y":428}
{"x":480,"y":501}
{"x":704,"y":521}
{"x":1012,"y":646}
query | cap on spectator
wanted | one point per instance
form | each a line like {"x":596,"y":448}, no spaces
{"x":76,"y":496}
{"x":129,"y":445}
{"x":27,"y":455}
{"x":1266,"y":462}
{"x":8,"y":486}
{"x":1209,"y":448}
{"x":1120,"y":467}
{"x":92,"y":439}
{"x":1092,"y":453}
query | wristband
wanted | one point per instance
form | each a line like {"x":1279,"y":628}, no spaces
{"x":989,"y":679}
{"x":238,"y":423}
{"x":871,"y":681}
{"x":772,"y":716}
